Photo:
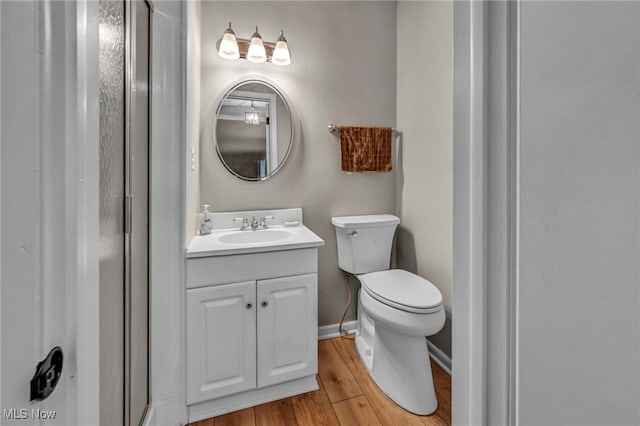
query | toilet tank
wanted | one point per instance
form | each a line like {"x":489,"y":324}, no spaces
{"x":364,"y":242}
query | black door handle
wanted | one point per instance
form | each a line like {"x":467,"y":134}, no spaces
{"x":48,"y":372}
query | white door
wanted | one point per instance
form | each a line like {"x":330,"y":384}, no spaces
{"x":221,"y":340}
{"x":46,"y":270}
{"x":287,"y":328}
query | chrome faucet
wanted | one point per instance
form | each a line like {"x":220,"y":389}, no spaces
{"x":254,"y":224}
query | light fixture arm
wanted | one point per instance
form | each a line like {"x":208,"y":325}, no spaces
{"x":229,"y":30}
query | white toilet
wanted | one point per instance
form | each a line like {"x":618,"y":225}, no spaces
{"x":396,"y":311}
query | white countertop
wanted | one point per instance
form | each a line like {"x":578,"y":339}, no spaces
{"x":211,"y":244}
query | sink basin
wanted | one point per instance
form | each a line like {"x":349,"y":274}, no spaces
{"x":226,"y":239}
{"x":250,"y":237}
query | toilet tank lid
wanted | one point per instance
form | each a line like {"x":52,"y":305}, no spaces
{"x":365,"y":221}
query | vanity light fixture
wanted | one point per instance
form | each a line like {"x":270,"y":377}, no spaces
{"x":252,"y":116}
{"x":254,"y":50}
{"x":228,"y":45}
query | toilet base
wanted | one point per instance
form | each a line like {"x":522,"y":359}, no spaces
{"x":398,"y":364}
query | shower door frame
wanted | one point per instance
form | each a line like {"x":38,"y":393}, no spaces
{"x":166,"y":387}
{"x":131,"y":174}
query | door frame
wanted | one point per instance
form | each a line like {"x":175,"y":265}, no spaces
{"x":87,"y":188}
{"x":474,"y":199}
{"x":485,"y":215}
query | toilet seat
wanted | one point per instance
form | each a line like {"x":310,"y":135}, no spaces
{"x":402,"y":290}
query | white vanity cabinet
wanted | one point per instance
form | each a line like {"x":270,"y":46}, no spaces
{"x":251,"y":312}
{"x":250,"y":335}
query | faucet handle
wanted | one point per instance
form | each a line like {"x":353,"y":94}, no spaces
{"x":245,"y":223}
{"x":263,"y":221}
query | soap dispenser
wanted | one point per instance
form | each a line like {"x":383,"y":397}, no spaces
{"x":205,"y":224}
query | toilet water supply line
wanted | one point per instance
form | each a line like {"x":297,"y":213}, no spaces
{"x":346,"y":308}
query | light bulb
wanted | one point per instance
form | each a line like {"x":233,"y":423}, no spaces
{"x":281,"y":55}
{"x":228,"y":45}
{"x":256,"y":51}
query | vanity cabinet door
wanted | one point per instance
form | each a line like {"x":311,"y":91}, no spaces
{"x":287,"y":328}
{"x":221,"y":340}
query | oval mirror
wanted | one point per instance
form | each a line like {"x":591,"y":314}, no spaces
{"x":254,"y":130}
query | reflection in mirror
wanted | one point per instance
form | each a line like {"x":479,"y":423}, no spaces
{"x":253,"y":131}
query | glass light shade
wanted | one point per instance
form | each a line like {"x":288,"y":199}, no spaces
{"x":256,"y":51}
{"x":281,"y":55}
{"x":252,"y":117}
{"x":229,"y":47}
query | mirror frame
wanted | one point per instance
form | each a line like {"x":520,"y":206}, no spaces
{"x":293,"y":123}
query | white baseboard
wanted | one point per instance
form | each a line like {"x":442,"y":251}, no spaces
{"x":251,"y":398}
{"x":330,"y":331}
{"x":439,"y":357}
{"x":165,"y":413}
{"x":149,"y":417}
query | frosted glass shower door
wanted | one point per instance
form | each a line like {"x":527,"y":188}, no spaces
{"x":124,"y":211}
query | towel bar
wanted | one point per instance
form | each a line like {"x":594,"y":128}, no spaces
{"x":334,"y":127}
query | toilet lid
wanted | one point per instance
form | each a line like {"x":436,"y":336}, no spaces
{"x":402,"y":289}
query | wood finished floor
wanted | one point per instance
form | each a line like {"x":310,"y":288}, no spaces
{"x":347,"y":396}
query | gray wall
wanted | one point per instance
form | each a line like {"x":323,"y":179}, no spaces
{"x":343,"y":71}
{"x":578,"y":307}
{"x":425,"y":117}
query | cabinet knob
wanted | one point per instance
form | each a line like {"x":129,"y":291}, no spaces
{"x":249,"y":305}
{"x":265,"y":303}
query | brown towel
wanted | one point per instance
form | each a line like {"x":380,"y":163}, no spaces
{"x":365,"y":149}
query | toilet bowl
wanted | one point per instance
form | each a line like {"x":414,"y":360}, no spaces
{"x":396,"y":311}
{"x":391,"y":343}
